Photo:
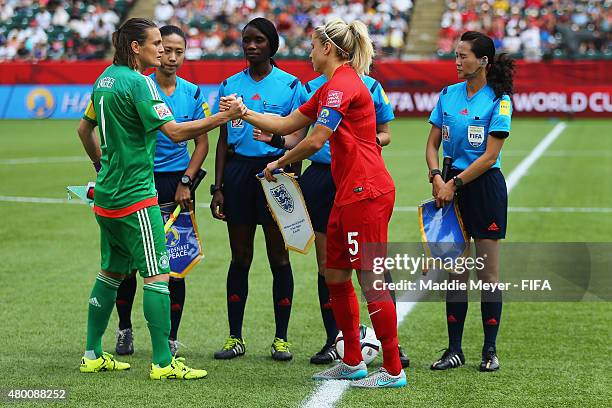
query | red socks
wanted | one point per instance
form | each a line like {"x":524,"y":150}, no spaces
{"x":382,"y":314}
{"x":384,"y":319}
{"x":346,"y":312}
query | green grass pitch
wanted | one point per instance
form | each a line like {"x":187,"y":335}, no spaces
{"x":552,"y":354}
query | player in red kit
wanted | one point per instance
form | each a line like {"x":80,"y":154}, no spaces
{"x":343,"y":112}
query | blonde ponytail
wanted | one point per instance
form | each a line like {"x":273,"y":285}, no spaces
{"x":363,"y":51}
{"x":352,"y":42}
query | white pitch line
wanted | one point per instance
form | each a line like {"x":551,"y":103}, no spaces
{"x":535,"y":209}
{"x":328,"y":393}
{"x":392,"y":153}
{"x":37,"y":160}
{"x":38,"y":200}
{"x":513,"y":153}
{"x":520,"y":170}
{"x":560,"y":209}
{"x":585,"y":210}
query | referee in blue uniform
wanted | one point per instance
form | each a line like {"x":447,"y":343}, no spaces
{"x":472,"y":120}
{"x":237,"y":195}
{"x":319,"y":192}
{"x":174,"y":171}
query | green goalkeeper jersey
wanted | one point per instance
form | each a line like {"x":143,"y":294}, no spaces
{"x":128,"y":110}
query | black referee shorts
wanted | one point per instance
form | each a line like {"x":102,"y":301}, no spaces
{"x":166,"y":184}
{"x":245,"y":202}
{"x":319,"y":192}
{"x":483,"y":204}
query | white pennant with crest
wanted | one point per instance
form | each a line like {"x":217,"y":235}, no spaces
{"x":287,"y":205}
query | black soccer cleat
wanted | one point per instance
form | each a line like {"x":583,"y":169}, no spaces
{"x":328,"y":354}
{"x":174,"y":346}
{"x":280,"y":350}
{"x":403,"y":357}
{"x":125,"y":342}
{"x":233,"y":347}
{"x":489,"y":361}
{"x":450,"y":359}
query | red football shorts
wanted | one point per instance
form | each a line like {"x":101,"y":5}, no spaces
{"x":359,"y":226}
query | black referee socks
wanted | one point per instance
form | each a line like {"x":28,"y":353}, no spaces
{"x":282,"y":294}
{"x":237,"y":292}
{"x":490,"y":309}
{"x":177,"y":302}
{"x":456,"y":310}
{"x":125,"y":300}
{"x":326,"y":311}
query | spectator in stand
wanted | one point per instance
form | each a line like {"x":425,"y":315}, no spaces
{"x":218,"y":23}
{"x":535,"y":28}
{"x":58,"y":29}
{"x":530,"y":39}
{"x":164,"y":11}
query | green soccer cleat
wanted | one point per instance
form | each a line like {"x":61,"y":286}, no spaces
{"x":106,"y":362}
{"x":280,"y":350}
{"x":176,"y":370}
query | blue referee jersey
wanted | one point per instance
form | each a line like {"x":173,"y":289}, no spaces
{"x":186,"y":103}
{"x":278,"y":94}
{"x":466,"y":122}
{"x":384,"y":111}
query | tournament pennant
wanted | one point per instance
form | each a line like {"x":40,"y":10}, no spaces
{"x":85,"y":193}
{"x":182,"y":241}
{"x":288,"y":208}
{"x":442,"y":230}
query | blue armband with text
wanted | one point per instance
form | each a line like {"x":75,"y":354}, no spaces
{"x":329,"y":118}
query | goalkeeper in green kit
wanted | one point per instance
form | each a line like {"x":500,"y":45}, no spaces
{"x":128,"y":111}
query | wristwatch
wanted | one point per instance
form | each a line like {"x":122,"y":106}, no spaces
{"x":433,"y":173}
{"x":214,"y":188}
{"x":458,"y":182}
{"x":186,"y":180}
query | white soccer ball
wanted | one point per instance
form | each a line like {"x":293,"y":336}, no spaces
{"x":370,"y":345}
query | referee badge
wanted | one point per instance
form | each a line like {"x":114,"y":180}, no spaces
{"x":476,"y":135}
{"x":445,"y":132}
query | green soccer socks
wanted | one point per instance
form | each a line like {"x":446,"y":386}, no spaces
{"x":101,"y":304}
{"x":156,"y":306}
